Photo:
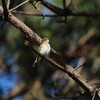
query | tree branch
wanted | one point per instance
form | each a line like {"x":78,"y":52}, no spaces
{"x":8,"y":4}
{"x":20,"y":5}
{"x":51,"y":7}
{"x":73,"y":13}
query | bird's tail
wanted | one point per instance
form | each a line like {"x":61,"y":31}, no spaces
{"x":37,"y":60}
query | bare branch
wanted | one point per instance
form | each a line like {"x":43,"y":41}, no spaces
{"x":73,"y":13}
{"x":20,"y":5}
{"x":33,"y":14}
{"x":51,"y":7}
{"x":8,"y":4}
{"x":25,"y":29}
{"x":35,"y":6}
{"x":85,"y":14}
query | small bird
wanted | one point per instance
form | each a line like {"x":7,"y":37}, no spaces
{"x":44,"y":49}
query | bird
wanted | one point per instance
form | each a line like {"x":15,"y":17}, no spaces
{"x":44,"y":49}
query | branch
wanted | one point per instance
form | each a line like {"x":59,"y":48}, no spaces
{"x":8,"y":4}
{"x":34,"y":14}
{"x":73,"y":13}
{"x":17,"y":90}
{"x":85,"y":14}
{"x":20,"y":5}
{"x":51,"y":7}
{"x":68,"y":12}
{"x":25,"y":29}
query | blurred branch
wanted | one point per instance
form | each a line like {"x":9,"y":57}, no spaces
{"x":8,"y":4}
{"x":73,"y":13}
{"x":33,"y":14}
{"x":56,"y":9}
{"x":20,"y":5}
{"x":84,"y":45}
{"x":85,"y":14}
{"x":87,"y":36}
{"x":68,"y":12}
{"x":59,"y":12}
{"x":35,"y":6}
{"x":51,"y":7}
{"x":19,"y":89}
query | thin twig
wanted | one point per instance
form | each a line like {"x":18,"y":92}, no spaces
{"x":20,"y":5}
{"x":78,"y":67}
{"x":94,"y":94}
{"x":34,"y":14}
{"x":52,"y":7}
{"x":8,"y":4}
{"x":35,"y":6}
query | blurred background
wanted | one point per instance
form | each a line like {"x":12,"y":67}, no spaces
{"x":77,"y":41}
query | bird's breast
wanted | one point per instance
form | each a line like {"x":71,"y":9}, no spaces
{"x":45,"y":49}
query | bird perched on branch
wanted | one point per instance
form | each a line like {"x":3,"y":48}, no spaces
{"x":44,"y":49}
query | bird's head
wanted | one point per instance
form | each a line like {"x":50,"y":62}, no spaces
{"x":45,"y":40}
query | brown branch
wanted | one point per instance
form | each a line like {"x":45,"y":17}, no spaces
{"x":85,"y":14}
{"x":20,"y":5}
{"x":60,"y":12}
{"x":8,"y":4}
{"x":34,"y":14}
{"x":17,"y":90}
{"x":51,"y":7}
{"x":25,"y":29}
{"x":68,"y":12}
{"x":73,"y":13}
